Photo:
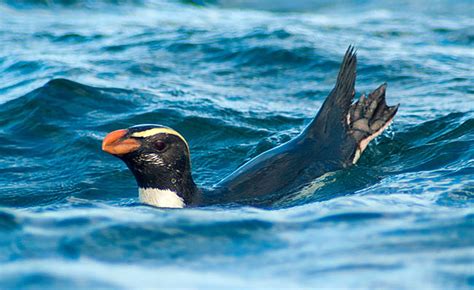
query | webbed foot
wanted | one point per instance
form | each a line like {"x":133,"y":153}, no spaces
{"x":368,"y":118}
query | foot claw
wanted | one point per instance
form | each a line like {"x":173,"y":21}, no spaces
{"x":378,"y":92}
{"x":390,"y":112}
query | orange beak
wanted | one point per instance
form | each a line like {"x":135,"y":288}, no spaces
{"x":115,"y":144}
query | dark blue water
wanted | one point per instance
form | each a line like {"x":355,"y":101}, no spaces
{"x":235,"y":78}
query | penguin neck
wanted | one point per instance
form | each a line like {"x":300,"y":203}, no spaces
{"x":160,"y":185}
{"x":160,"y":197}
{"x":169,"y":193}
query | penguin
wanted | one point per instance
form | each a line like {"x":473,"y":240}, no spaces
{"x":159,"y":156}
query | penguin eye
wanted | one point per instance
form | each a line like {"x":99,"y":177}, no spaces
{"x":160,"y":145}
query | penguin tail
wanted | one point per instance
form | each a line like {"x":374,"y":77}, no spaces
{"x":347,"y":127}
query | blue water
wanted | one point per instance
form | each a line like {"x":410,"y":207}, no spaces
{"x":235,"y":78}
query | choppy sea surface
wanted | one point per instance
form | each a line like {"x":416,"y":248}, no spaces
{"x":235,"y":78}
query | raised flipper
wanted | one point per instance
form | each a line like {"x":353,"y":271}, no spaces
{"x":345,"y":127}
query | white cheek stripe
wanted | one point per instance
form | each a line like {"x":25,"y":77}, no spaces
{"x":154,"y":131}
{"x":160,"y":198}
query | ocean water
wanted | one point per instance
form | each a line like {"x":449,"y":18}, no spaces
{"x":236,"y":78}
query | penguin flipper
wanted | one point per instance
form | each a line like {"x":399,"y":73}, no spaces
{"x":346,"y":127}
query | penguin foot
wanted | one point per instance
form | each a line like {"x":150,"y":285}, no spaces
{"x":368,"y":118}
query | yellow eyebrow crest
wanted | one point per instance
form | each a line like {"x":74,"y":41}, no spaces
{"x":154,"y":131}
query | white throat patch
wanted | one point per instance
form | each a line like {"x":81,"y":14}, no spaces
{"x":160,"y":198}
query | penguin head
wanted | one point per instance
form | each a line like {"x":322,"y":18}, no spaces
{"x":159,"y":158}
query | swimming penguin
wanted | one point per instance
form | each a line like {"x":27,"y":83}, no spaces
{"x":159,"y":157}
